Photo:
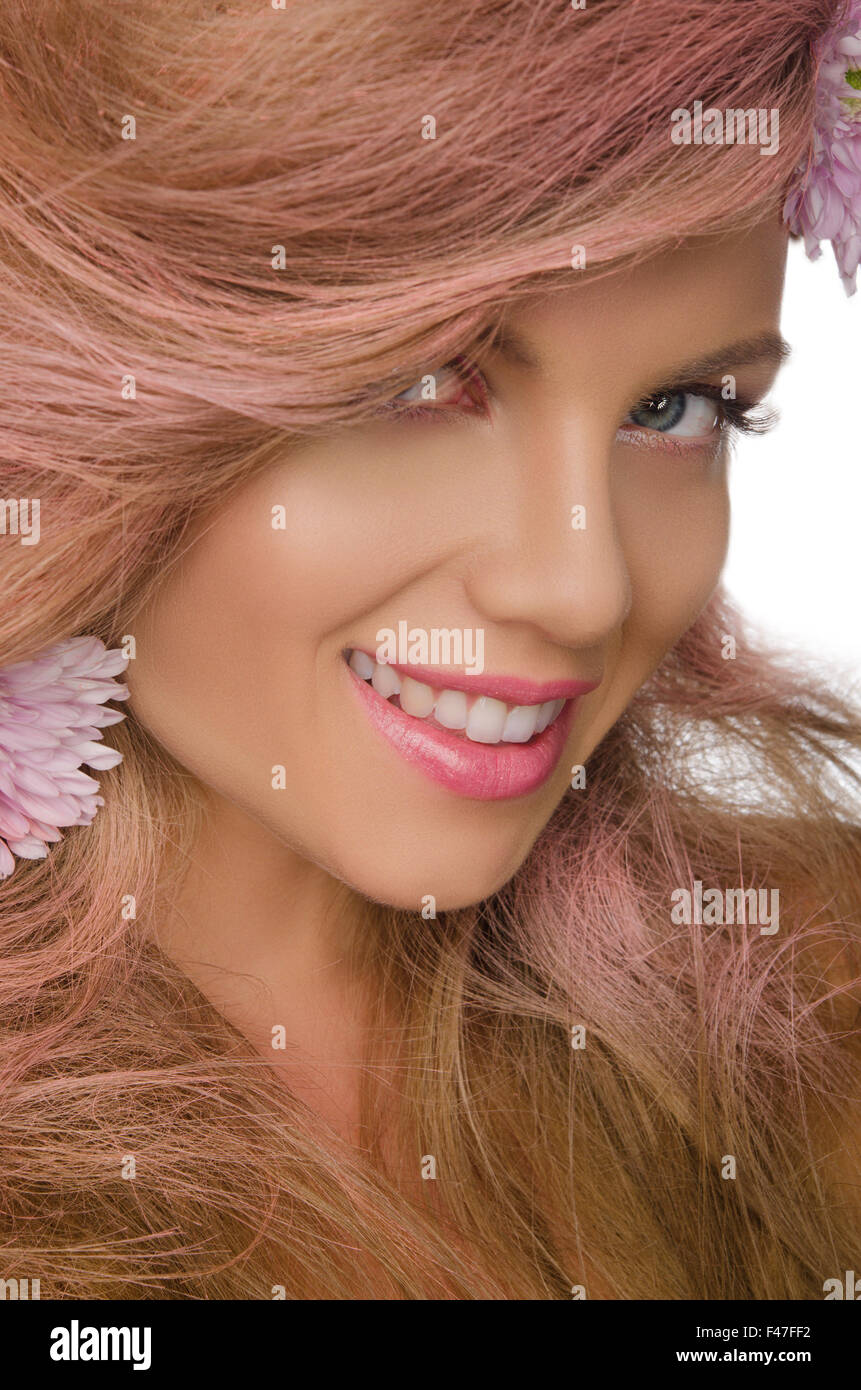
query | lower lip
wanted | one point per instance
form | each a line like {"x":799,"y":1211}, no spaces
{"x":481,"y":771}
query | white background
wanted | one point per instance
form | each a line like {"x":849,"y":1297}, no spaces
{"x":794,"y":565}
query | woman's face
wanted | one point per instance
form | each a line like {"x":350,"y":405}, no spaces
{"x":556,"y":538}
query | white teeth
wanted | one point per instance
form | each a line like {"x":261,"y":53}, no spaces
{"x":520,"y":724}
{"x":545,"y":714}
{"x":362,"y":664}
{"x":385,"y":681}
{"x":416,"y":698}
{"x":451,"y":709}
{"x":486,"y":720}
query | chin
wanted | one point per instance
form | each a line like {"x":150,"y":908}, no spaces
{"x":457,"y":880}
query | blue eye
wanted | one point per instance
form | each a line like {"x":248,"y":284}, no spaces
{"x":680,"y":413}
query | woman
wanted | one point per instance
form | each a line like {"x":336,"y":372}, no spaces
{"x":474,"y":910}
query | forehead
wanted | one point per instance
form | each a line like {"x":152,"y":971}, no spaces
{"x":680,"y":304}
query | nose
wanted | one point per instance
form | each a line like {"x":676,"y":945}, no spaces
{"x":551,"y":556}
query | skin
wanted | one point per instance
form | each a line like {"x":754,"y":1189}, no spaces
{"x":463,"y":522}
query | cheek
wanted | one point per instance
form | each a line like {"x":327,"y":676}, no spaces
{"x":673,"y":520}
{"x":673,"y":526}
{"x":240,"y":616}
{"x":236,"y":650}
{"x":204,"y":667}
{"x":226,"y":669}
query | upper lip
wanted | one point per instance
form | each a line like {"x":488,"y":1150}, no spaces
{"x":512,"y":690}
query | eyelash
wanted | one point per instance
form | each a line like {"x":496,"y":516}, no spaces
{"x":471,"y":378}
{"x":735,"y":416}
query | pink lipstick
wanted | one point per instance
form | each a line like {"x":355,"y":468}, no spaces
{"x":479,"y":770}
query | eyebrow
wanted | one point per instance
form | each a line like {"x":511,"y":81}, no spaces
{"x":767,"y":346}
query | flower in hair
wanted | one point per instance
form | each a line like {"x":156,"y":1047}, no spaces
{"x":824,"y":203}
{"x":51,"y":716}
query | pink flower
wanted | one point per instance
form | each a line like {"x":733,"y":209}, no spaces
{"x":51,"y":714}
{"x":824,"y":203}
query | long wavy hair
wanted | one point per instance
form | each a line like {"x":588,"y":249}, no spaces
{"x":224,"y":227}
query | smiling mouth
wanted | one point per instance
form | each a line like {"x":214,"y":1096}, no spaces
{"x":491,"y":738}
{"x":476,"y":718}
